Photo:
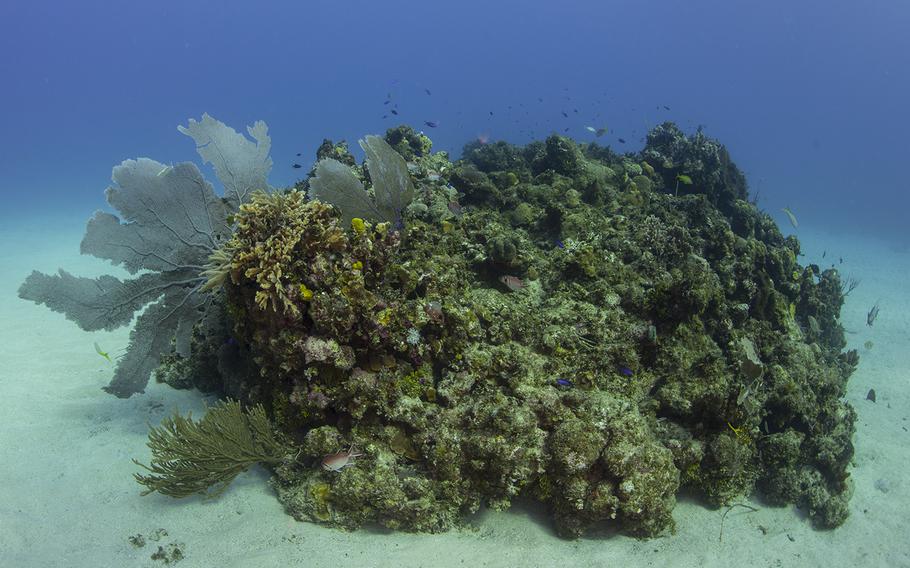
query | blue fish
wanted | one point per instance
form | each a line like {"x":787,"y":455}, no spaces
{"x":559,"y":244}
{"x":625,"y":371}
{"x":564,"y":382}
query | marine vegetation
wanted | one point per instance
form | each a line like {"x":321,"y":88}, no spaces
{"x":172,"y":221}
{"x":190,"y":457}
{"x":550,"y":322}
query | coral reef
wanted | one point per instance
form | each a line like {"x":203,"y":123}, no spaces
{"x":553,"y":321}
{"x":646,"y":345}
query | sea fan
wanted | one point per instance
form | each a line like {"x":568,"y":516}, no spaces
{"x":336,"y":183}
{"x":171,"y":223}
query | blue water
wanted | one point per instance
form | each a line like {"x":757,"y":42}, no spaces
{"x":811,"y":97}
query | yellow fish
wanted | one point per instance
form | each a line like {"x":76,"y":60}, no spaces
{"x":792,"y":217}
{"x":102,"y":353}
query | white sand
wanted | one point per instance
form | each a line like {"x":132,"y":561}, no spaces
{"x":67,"y":496}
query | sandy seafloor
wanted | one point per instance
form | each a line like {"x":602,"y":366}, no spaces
{"x":68,"y":498}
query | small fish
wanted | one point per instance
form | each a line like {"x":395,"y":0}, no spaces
{"x":824,"y":252}
{"x":873,"y":313}
{"x":513,"y":283}
{"x":590,"y":129}
{"x":575,"y":110}
{"x":666,"y":107}
{"x":102,"y":353}
{"x":564,"y":383}
{"x":871,"y":395}
{"x":566,"y":129}
{"x":386,"y":102}
{"x":427,"y":91}
{"x":395,"y":112}
{"x":565,"y":114}
{"x":559,"y":244}
{"x":491,"y":113}
{"x":540,"y":99}
{"x":621,"y":140}
{"x":299,"y":154}
{"x":296,"y":166}
{"x":791,"y":217}
{"x":625,"y":371}
{"x":431,"y":123}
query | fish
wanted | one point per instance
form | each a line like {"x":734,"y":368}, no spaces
{"x":427,"y":91}
{"x":395,"y":112}
{"x":625,"y":371}
{"x":873,"y":313}
{"x":564,"y":382}
{"x":565,"y":114}
{"x":566,"y":129}
{"x":791,"y":217}
{"x":513,"y":283}
{"x":590,"y":129}
{"x":666,"y":107}
{"x":621,"y":140}
{"x":296,"y":166}
{"x":102,"y":353}
{"x":491,"y":113}
{"x":559,"y":244}
{"x":299,"y":154}
{"x":431,"y":123}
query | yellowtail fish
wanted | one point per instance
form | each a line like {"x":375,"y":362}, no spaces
{"x":791,"y":217}
{"x":102,"y":353}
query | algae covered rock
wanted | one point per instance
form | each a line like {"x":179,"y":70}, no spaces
{"x":576,"y":333}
